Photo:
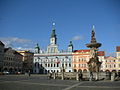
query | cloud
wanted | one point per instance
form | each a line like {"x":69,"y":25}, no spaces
{"x":21,"y":48}
{"x":77,"y":37}
{"x":14,"y":39}
{"x":18,"y":43}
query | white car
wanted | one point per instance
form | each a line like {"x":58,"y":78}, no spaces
{"x":6,"y":72}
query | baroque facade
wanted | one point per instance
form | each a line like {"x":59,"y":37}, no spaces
{"x":53,"y":60}
{"x":81,"y":58}
{"x":110,"y":64}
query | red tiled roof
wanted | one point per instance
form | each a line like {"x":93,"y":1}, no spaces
{"x":118,"y":48}
{"x":110,"y":58}
{"x":101,"y":53}
{"x":85,"y":50}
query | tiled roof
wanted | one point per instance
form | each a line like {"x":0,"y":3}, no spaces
{"x":85,"y":50}
{"x":118,"y":48}
{"x":110,"y":58}
{"x":15,"y":52}
{"x":101,"y":53}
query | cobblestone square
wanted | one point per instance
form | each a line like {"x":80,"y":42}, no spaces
{"x":41,"y":82}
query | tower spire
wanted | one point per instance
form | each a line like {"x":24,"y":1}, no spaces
{"x":93,"y":27}
{"x":53,"y":25}
{"x":53,"y":30}
{"x":70,"y":47}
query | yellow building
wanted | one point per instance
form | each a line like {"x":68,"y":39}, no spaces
{"x":118,"y":57}
{"x":27,"y":60}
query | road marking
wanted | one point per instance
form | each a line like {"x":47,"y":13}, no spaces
{"x":75,"y":85}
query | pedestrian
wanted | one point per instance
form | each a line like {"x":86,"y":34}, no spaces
{"x":29,"y":73}
{"x":80,"y":76}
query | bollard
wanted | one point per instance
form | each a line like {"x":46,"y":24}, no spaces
{"x":62,"y":76}
{"x":77,"y":77}
{"x":113,"y":77}
{"x":54,"y":76}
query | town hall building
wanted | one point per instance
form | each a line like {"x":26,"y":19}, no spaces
{"x":53,"y":60}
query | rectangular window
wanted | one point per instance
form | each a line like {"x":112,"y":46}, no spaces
{"x":84,"y":65}
{"x":66,"y":64}
{"x":57,"y":65}
{"x":69,"y":65}
{"x":62,"y":65}
{"x":114,"y":65}
{"x":48,"y":65}
{"x":51,"y":65}
{"x":74,"y":65}
{"x":45,"y":65}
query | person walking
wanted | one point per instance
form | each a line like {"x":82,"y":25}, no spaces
{"x":29,"y":73}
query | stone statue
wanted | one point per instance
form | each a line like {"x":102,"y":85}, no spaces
{"x":93,"y":64}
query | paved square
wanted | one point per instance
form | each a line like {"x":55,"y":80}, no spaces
{"x":41,"y":82}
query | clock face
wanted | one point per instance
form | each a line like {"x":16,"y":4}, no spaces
{"x":52,"y":41}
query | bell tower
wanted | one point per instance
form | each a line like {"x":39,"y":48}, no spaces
{"x":53,"y":38}
{"x":52,"y":47}
{"x":70,"y":47}
{"x":37,"y":48}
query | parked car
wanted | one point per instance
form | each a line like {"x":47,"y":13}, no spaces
{"x":6,"y":72}
{"x":18,"y":72}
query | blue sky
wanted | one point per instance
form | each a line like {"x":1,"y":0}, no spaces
{"x":23,"y":23}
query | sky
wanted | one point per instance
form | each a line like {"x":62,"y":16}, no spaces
{"x":23,"y":23}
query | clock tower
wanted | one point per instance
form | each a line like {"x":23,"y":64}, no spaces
{"x":52,"y":47}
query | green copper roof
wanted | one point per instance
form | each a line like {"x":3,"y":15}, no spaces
{"x":53,"y":33}
{"x":37,"y":46}
{"x":70,"y":44}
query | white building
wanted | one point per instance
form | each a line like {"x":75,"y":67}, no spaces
{"x":53,"y":60}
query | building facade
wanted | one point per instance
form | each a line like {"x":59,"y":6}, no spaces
{"x":27,"y":61}
{"x":12,"y":61}
{"x":53,"y":60}
{"x":81,"y":57}
{"x":1,"y":55}
{"x":110,"y":64}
